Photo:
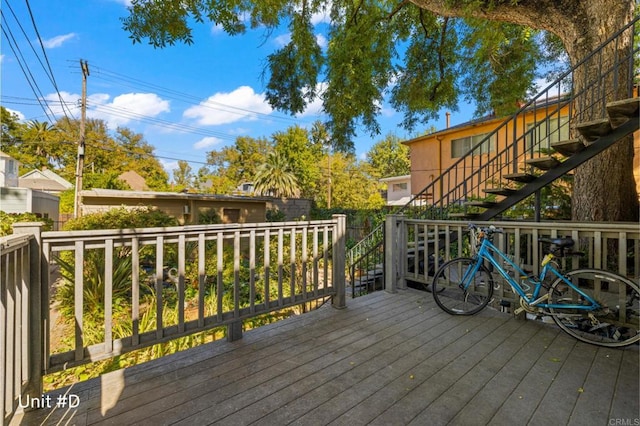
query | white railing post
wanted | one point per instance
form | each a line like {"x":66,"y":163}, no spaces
{"x":338,"y":258}
{"x":38,"y":304}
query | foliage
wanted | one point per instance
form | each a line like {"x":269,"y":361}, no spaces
{"x":108,"y":154}
{"x":275,"y":177}
{"x":232,"y":165}
{"x":94,"y":259}
{"x":389,"y":157}
{"x":352,"y":187}
{"x":182,"y":176}
{"x":122,"y":218}
{"x":431,"y":55}
{"x":8,"y":219}
{"x":275,"y":215}
{"x":303,"y":150}
{"x":555,"y":202}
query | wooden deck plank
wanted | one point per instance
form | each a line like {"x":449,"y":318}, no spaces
{"x":484,"y":405}
{"x":282,"y":390}
{"x":227,"y":381}
{"x":520,"y":406}
{"x":385,"y":359}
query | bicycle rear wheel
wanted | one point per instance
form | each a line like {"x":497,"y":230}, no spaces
{"x":458,"y":293}
{"x":615,"y":324}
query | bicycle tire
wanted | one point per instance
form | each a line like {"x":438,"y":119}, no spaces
{"x":451,"y":297}
{"x":616,"y":324}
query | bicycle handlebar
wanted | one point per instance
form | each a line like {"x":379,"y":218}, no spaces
{"x":489,"y":230}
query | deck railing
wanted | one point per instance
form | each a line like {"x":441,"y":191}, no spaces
{"x":209,"y":275}
{"x":415,"y":248}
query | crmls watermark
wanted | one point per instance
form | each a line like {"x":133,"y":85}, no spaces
{"x":624,"y":422}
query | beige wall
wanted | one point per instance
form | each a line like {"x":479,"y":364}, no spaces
{"x":431,"y":155}
{"x":228,"y":211}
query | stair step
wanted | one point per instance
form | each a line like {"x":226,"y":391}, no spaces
{"x":480,"y":203}
{"x":520,"y":177}
{"x":543,"y":163}
{"x":592,"y":130}
{"x":464,"y":215}
{"x":568,"y":147}
{"x":499,"y":191}
{"x":621,"y":111}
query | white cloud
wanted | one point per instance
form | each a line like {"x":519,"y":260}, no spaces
{"x":1,"y":59}
{"x":125,"y":108}
{"x":224,"y":108}
{"x":315,"y":108}
{"x":20,"y":115}
{"x":71,"y":103}
{"x":322,"y":41}
{"x":58,"y":41}
{"x":206,"y":142}
{"x":217,"y":29}
{"x":282,"y":40}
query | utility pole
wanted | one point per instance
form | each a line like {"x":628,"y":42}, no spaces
{"x":84,"y":66}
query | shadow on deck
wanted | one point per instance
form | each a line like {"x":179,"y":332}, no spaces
{"x":387,"y":359}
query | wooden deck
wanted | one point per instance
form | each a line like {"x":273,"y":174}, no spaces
{"x":387,"y":359}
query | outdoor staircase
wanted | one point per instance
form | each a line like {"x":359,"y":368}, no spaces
{"x":571,"y":126}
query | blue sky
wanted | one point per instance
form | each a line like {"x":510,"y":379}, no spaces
{"x":185,"y":99}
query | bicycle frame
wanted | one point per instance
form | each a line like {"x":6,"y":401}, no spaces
{"x":488,"y":252}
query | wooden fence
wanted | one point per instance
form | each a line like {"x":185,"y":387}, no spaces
{"x":415,"y":248}
{"x":210,"y":276}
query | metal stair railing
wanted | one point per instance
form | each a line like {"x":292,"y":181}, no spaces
{"x":482,"y":167}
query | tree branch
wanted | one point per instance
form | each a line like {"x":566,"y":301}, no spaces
{"x":398,"y":8}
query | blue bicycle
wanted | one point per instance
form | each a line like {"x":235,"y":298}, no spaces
{"x":594,"y":306}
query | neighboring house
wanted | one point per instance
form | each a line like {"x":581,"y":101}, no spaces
{"x":187,"y":208}
{"x":8,"y":171}
{"x":434,"y":153}
{"x":134,"y":180}
{"x":24,"y":200}
{"x":44,"y":180}
{"x":398,"y":190}
{"x":245,"y":188}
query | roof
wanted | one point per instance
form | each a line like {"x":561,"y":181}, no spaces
{"x":395,"y":178}
{"x":530,"y":106}
{"x":44,"y":179}
{"x":135,"y":181}
{"x":115,"y":193}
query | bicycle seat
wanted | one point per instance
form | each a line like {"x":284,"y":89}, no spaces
{"x":561,"y":243}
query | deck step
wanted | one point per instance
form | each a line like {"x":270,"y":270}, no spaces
{"x":543,"y":163}
{"x":520,"y":177}
{"x":568,"y":147}
{"x":592,"y":130}
{"x":621,"y":111}
{"x":499,"y":191}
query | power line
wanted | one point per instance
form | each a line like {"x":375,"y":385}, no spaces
{"x":22,"y":63}
{"x":46,"y":58}
{"x":135,"y":83}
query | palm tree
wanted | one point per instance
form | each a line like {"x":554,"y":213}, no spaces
{"x":41,"y":135}
{"x":275,"y":177}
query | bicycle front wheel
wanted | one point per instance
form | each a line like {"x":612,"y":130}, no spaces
{"x":457,"y":292}
{"x":616,"y":323}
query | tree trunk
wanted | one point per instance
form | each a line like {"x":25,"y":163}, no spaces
{"x":604,"y":187}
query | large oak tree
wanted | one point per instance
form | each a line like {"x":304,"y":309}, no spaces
{"x":424,"y":55}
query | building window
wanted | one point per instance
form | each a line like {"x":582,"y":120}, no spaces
{"x":542,"y":135}
{"x":399,"y":187}
{"x":460,"y":147}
